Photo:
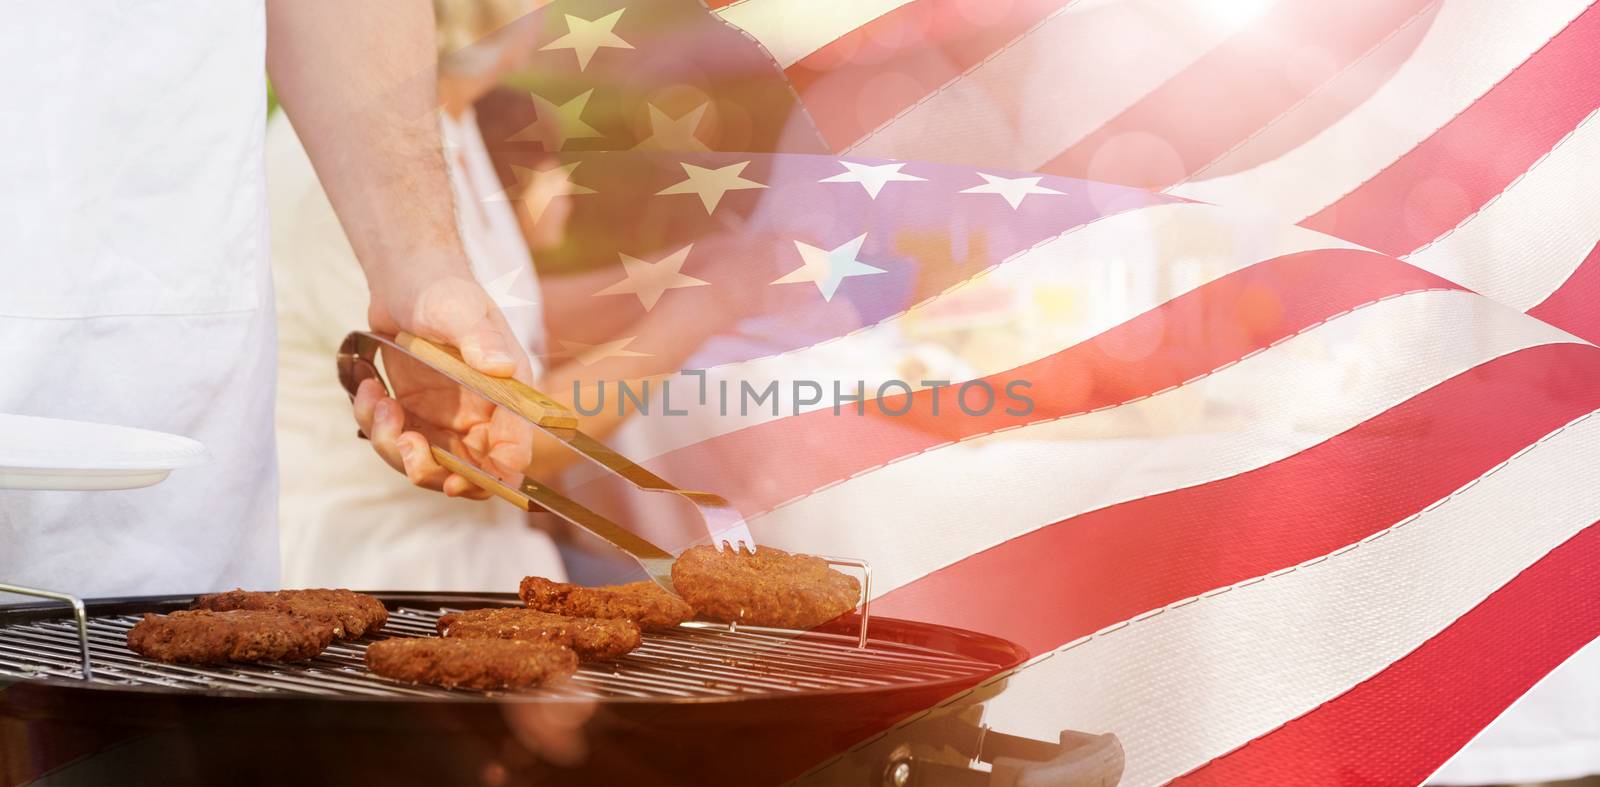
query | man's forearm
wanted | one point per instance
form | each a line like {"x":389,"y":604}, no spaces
{"x":358,"y":79}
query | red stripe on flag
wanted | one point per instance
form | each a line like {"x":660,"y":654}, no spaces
{"x":1230,"y":93}
{"x":1475,"y":156}
{"x":1168,"y":547}
{"x":864,"y":78}
{"x":1400,"y":725}
{"x":1192,"y":334}
{"x":1575,"y":306}
{"x":1335,"y":98}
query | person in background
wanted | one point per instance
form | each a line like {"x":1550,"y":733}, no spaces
{"x":133,"y":252}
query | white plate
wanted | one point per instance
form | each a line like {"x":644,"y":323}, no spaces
{"x":52,"y":453}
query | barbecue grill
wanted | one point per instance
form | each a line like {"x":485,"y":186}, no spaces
{"x":705,"y":704}
{"x":701,"y":704}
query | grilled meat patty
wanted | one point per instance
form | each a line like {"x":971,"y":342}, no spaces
{"x":206,"y":637}
{"x":472,"y":663}
{"x":348,"y":614}
{"x":769,"y":587}
{"x":644,"y":603}
{"x":594,"y":639}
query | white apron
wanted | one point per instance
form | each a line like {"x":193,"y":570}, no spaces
{"x":134,"y":287}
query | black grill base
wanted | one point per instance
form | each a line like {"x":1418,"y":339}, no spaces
{"x":65,"y":733}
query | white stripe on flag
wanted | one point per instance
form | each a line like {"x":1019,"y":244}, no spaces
{"x":1524,"y":244}
{"x":1200,"y":679}
{"x":1058,"y":83}
{"x":792,"y":29}
{"x":1116,"y":269}
{"x":1281,"y":401}
{"x":1471,"y":45}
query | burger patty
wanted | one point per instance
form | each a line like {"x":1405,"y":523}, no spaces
{"x":769,"y":587}
{"x":206,"y":637}
{"x":472,"y":663}
{"x":348,"y":614}
{"x":644,"y":603}
{"x":594,"y":639}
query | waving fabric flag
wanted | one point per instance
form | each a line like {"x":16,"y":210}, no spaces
{"x":1232,"y":357}
{"x":1447,"y":132}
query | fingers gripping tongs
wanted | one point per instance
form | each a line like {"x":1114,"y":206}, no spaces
{"x":725,"y":527}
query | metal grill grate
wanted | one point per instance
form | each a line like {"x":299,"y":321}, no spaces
{"x":696,"y":661}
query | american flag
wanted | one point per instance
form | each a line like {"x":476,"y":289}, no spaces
{"x":1304,"y":294}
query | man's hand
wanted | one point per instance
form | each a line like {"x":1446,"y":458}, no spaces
{"x":429,"y":407}
{"x":359,"y":80}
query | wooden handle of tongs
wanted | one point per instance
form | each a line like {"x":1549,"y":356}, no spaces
{"x":482,"y":480}
{"x":357,"y":358}
{"x":520,"y":397}
{"x":357,"y":362}
{"x":523,"y":399}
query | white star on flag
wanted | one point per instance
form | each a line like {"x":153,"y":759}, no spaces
{"x":669,"y":134}
{"x":587,"y":36}
{"x":872,"y":177}
{"x":591,"y":354}
{"x":1014,"y":190}
{"x":649,"y":280}
{"x":712,"y":184}
{"x":536,"y":200}
{"x":500,"y":290}
{"x":557,"y":123}
{"x":827,"y":268}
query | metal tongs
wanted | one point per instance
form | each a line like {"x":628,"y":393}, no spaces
{"x":725,"y":527}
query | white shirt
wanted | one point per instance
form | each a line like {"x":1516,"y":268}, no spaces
{"x":347,"y":518}
{"x":133,"y":284}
